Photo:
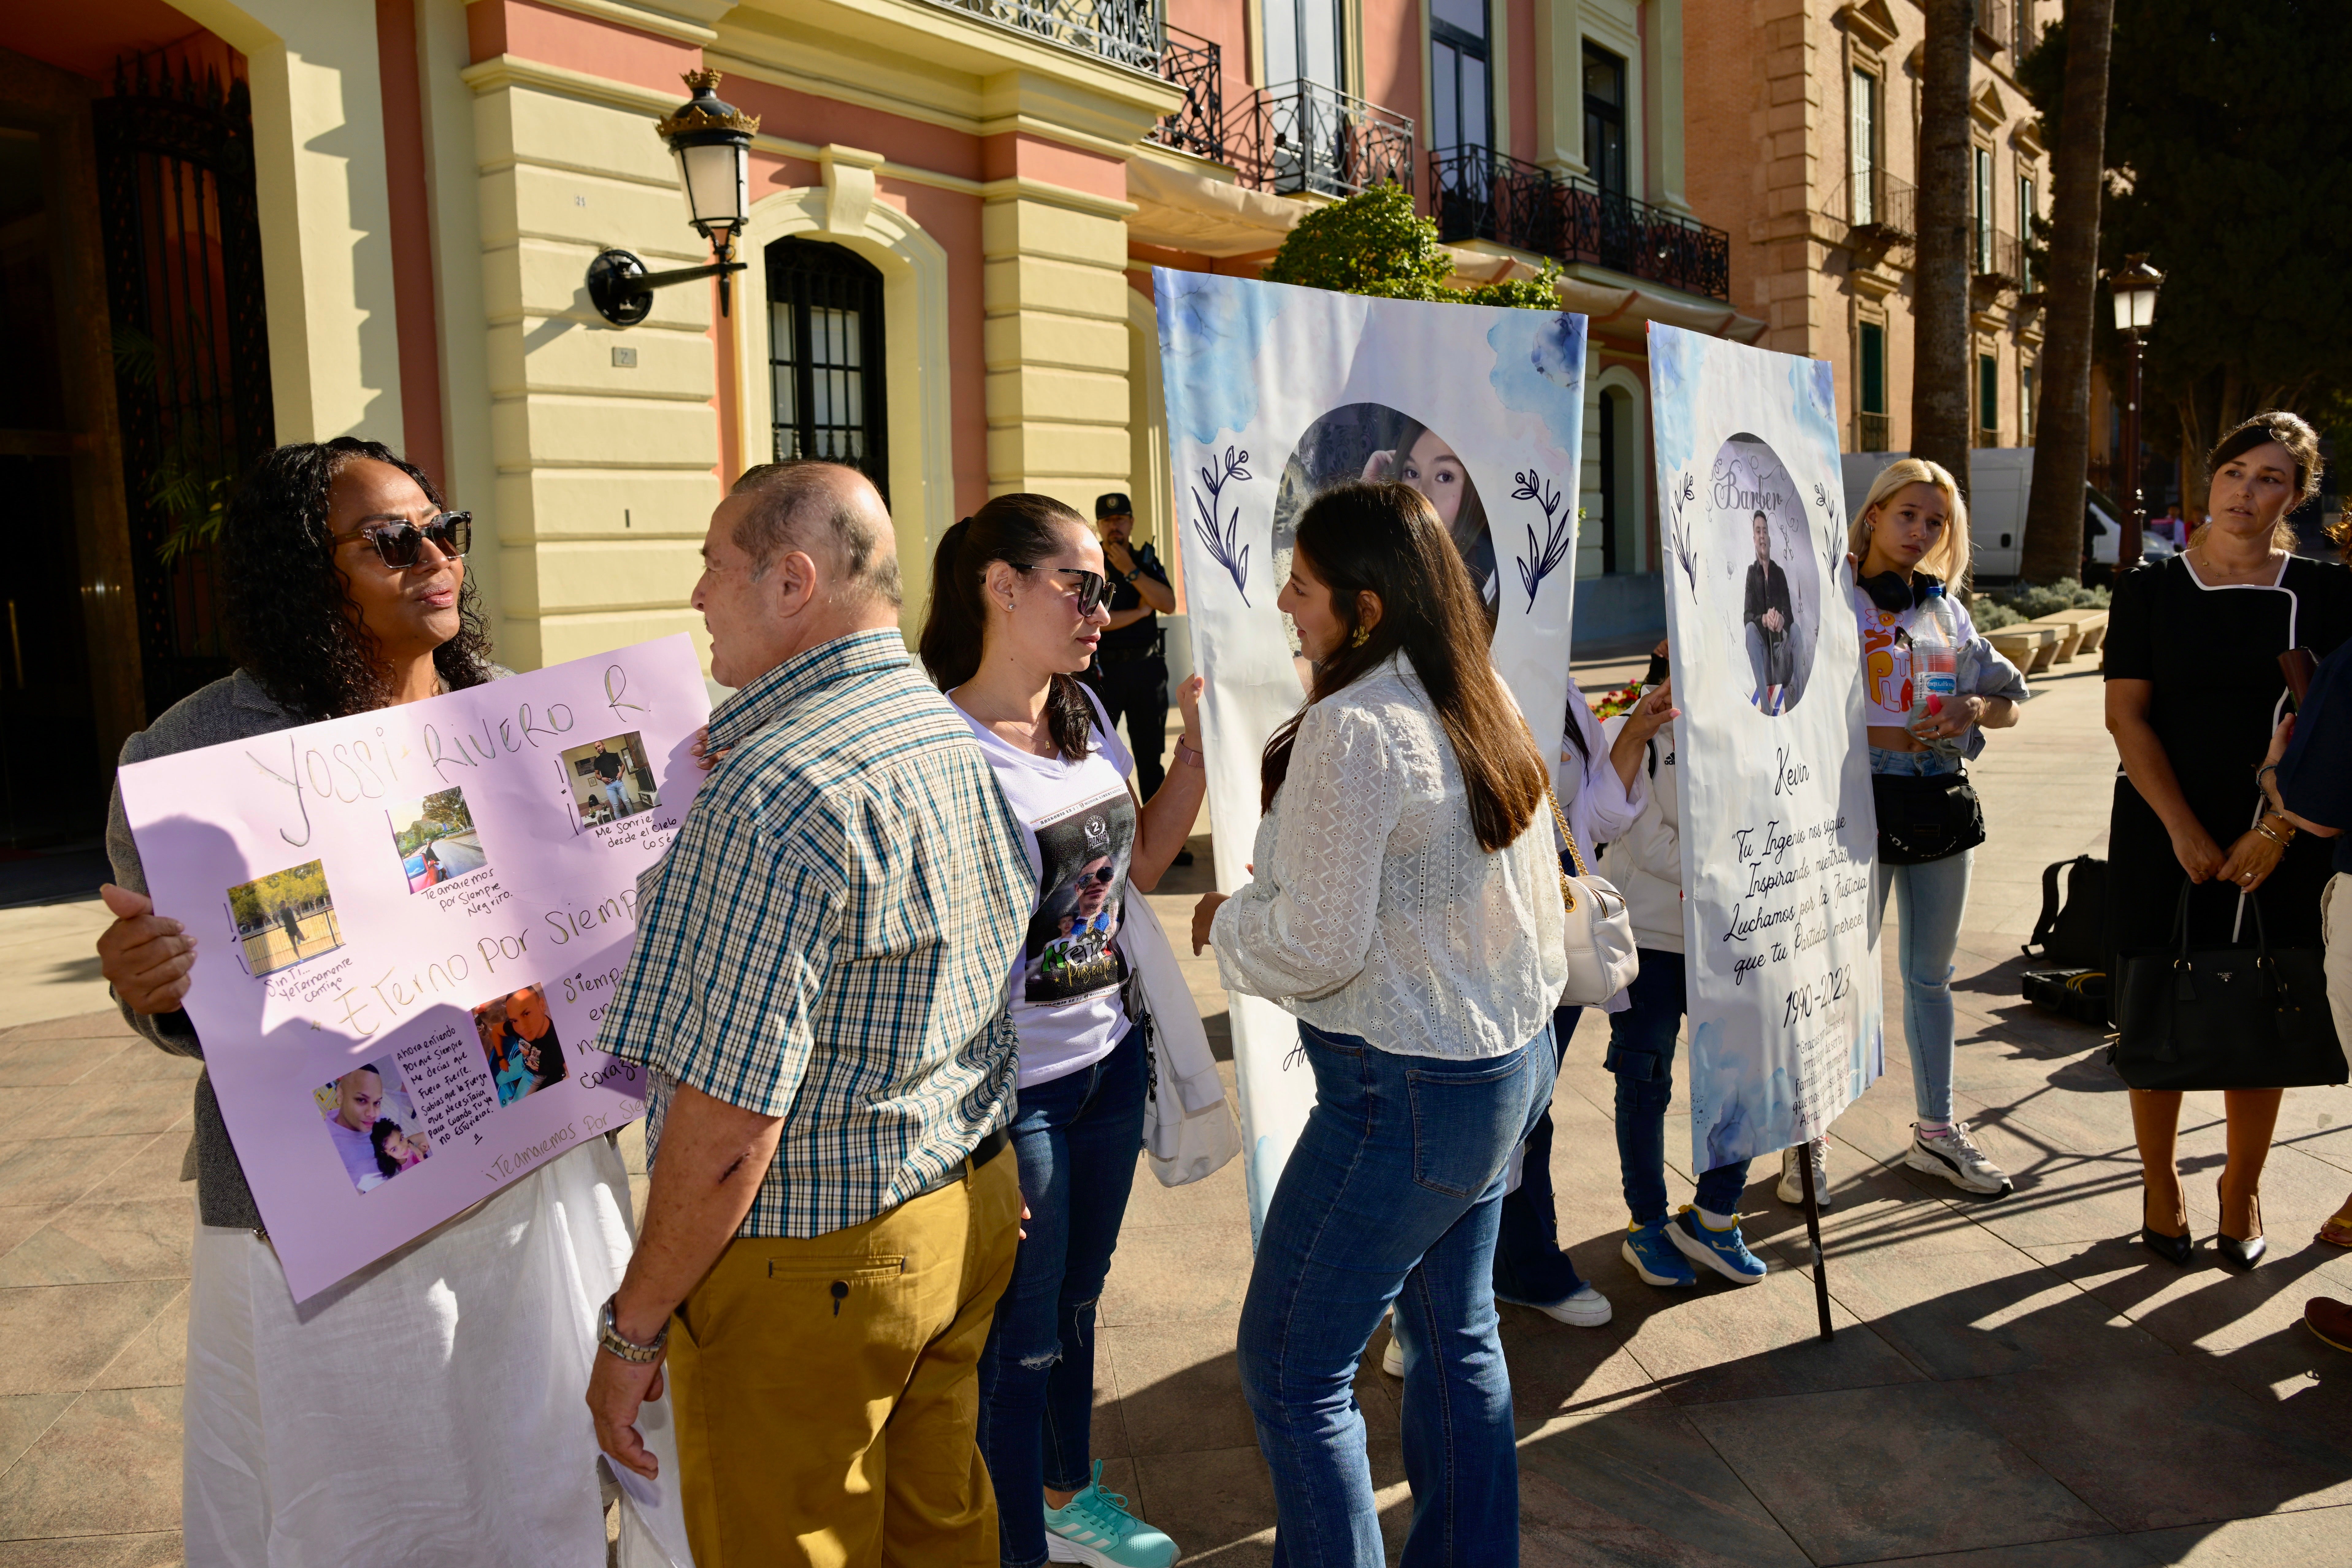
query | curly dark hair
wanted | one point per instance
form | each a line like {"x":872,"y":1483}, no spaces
{"x":291,"y":620}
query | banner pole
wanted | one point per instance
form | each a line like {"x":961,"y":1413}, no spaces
{"x":1813,"y":1235}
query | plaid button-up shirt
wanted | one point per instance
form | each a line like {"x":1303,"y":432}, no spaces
{"x":830,"y":937}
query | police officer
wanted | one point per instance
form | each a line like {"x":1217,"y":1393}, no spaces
{"x":1129,"y":671}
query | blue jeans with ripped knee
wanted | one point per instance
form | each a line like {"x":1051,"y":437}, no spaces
{"x":1077,"y":1138}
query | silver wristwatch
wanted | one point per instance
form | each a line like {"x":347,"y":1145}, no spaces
{"x":613,"y":1342}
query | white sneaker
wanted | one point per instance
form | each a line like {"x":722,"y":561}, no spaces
{"x":1791,"y":1190}
{"x":1954,"y":1156}
{"x":1393,"y":1357}
{"x":1588,"y":1309}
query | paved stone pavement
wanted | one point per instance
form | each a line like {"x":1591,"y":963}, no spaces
{"x":2010,"y":1385}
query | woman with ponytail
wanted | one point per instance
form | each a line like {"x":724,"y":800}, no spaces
{"x":1019,"y":600}
{"x":1403,"y":911}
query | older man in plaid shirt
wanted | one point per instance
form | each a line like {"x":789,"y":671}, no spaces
{"x":819,"y":990}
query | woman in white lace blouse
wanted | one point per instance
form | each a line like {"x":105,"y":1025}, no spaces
{"x":1405,"y":910}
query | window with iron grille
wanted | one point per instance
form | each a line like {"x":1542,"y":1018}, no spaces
{"x":825,"y":354}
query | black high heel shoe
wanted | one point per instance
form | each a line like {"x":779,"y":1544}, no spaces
{"x":2177,"y":1250}
{"x":2240,"y":1253}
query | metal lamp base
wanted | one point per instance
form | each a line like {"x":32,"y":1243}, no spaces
{"x":613,"y":288}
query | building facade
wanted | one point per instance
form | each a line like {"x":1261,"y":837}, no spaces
{"x":1803,"y":134}
{"x":283,"y":220}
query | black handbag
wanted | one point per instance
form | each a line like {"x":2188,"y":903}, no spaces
{"x":1926,"y":817}
{"x":2225,"y":1017}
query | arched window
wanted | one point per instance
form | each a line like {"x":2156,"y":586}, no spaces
{"x":824,"y":354}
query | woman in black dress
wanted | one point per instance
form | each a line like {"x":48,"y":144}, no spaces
{"x":2193,"y":694}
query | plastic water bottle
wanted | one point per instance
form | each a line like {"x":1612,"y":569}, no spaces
{"x":1935,"y":675}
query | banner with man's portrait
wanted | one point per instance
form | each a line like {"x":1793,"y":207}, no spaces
{"x":1779,"y":834}
{"x":1275,"y":393}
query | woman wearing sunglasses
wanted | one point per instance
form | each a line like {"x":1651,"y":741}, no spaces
{"x":1018,"y":603}
{"x":347,"y":593}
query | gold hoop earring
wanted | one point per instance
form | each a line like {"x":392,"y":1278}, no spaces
{"x":1363,"y":636}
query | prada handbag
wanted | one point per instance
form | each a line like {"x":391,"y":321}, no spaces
{"x":2226,"y":1018}
{"x":1602,"y":960}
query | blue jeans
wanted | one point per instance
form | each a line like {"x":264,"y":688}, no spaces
{"x":1642,"y":1055}
{"x":1393,"y":1193}
{"x":1076,"y":1139}
{"x":1930,"y":899}
{"x":1529,"y":1265}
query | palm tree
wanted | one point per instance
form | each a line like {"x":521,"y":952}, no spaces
{"x":2062,"y":433}
{"x":1939,"y":377}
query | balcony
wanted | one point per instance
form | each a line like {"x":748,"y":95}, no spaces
{"x":1197,"y":66}
{"x":1995,"y":29}
{"x":1126,"y":32}
{"x":1997,"y":262}
{"x":1880,"y":213}
{"x":1871,"y":432}
{"x":1302,"y":138}
{"x":1483,"y":195}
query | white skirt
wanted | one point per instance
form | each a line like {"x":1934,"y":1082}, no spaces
{"x":428,"y":1410}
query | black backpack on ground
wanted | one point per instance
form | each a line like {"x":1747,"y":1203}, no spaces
{"x":2074,"y":932}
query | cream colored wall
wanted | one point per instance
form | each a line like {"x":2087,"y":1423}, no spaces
{"x":326,"y":249}
{"x":1055,"y":292}
{"x":605,"y":474}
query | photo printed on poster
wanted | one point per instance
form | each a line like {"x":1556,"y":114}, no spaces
{"x":408,"y":923}
{"x":1275,"y":394}
{"x":1779,"y":834}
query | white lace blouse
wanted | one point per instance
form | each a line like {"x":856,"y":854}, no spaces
{"x":1373,"y":912}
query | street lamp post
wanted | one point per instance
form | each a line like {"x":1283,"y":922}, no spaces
{"x":712,"y":142}
{"x":2133,"y":286}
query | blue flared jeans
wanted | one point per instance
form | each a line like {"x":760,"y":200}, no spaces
{"x":1392,"y":1194}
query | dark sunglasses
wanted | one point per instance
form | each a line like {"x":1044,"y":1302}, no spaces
{"x":1094,"y":588}
{"x":402,"y":544}
{"x":1108,"y":875}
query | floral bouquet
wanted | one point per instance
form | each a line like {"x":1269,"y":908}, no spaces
{"x":1613,"y":703}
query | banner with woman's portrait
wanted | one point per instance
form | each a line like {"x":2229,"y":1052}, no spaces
{"x":1778,"y":834}
{"x":1275,"y":393}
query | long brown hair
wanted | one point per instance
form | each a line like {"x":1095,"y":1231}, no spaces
{"x":1019,"y":530}
{"x":1385,"y":539}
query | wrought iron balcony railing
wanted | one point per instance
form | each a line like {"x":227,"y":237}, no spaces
{"x":1998,"y":261}
{"x":1302,"y":137}
{"x":1125,"y":31}
{"x":1197,"y":66}
{"x":1479,"y":194}
{"x":1880,"y":212}
{"x":1870,"y":432}
{"x":1635,"y":237}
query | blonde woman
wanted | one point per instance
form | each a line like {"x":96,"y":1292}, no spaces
{"x":2194,"y":695}
{"x":1909,"y":543}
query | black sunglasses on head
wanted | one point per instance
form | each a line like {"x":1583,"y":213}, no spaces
{"x":1094,"y":588}
{"x":402,"y":544}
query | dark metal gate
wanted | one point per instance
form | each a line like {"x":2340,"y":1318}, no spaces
{"x":191,"y":344}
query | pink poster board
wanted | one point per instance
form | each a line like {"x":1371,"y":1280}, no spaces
{"x":408,"y":923}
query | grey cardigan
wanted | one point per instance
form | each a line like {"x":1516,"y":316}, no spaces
{"x":234,"y":708}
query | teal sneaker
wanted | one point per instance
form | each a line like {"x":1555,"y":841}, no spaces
{"x":1654,"y":1257}
{"x":1095,"y":1528}
{"x":1721,"y":1250}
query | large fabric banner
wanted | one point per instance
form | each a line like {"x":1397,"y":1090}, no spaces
{"x":1275,"y":393}
{"x":1778,"y":830}
{"x":407,"y":924}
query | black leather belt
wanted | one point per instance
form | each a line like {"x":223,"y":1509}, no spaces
{"x":987,"y":1149}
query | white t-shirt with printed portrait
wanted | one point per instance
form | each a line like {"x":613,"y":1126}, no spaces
{"x":1080,"y":823}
